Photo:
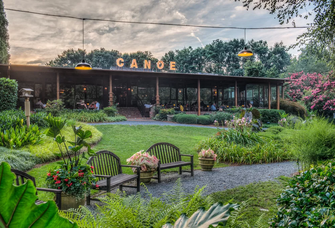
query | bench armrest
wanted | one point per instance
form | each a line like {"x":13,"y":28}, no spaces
{"x":105,"y":176}
{"x":49,"y":190}
{"x":131,"y":166}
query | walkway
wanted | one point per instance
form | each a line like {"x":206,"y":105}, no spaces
{"x":220,"y":179}
{"x":151,"y":122}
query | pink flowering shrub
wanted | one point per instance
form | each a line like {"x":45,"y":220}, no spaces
{"x":146,"y":161}
{"x":282,"y":122}
{"x":239,"y":124}
{"x":315,"y":90}
{"x":207,"y":154}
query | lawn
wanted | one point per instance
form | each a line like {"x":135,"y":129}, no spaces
{"x":124,"y":141}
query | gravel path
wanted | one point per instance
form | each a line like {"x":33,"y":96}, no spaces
{"x":158,"y":123}
{"x":220,"y":179}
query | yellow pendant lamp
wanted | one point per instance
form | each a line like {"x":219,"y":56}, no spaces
{"x":83,"y":65}
{"x":245,"y":52}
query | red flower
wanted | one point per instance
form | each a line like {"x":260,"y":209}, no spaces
{"x":92,"y":171}
{"x":57,"y":172}
{"x":70,"y":184}
{"x":92,"y":167}
{"x":58,"y":187}
{"x":66,"y":180}
{"x":49,"y":174}
{"x":55,"y":177}
{"x":97,"y":186}
{"x":58,"y":182}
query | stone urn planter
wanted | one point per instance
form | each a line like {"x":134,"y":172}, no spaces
{"x":68,"y":202}
{"x":206,"y":164}
{"x":170,"y":117}
{"x":146,"y":177}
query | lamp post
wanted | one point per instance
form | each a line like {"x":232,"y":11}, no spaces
{"x":26,"y":93}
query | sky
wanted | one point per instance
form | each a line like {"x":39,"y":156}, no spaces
{"x":36,"y":39}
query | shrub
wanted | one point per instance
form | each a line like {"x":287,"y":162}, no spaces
{"x":162,"y":115}
{"x":38,"y":119}
{"x":8,"y":94}
{"x":309,"y":199}
{"x":18,"y":159}
{"x":255,"y":114}
{"x":233,"y":110}
{"x":186,"y":118}
{"x":221,"y":117}
{"x":314,"y":141}
{"x":12,"y":118}
{"x":291,"y":107}
{"x":87,"y":117}
{"x":20,"y":136}
{"x":205,"y":120}
{"x":270,"y":115}
{"x":54,"y":107}
{"x":239,"y":137}
{"x":110,"y":111}
{"x":116,"y":119}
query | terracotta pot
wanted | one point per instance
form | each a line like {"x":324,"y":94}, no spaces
{"x":145,"y":177}
{"x":70,"y":202}
{"x":206,"y":163}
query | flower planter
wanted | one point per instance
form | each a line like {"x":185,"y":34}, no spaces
{"x":206,"y":163}
{"x":145,"y":177}
{"x":68,"y":202}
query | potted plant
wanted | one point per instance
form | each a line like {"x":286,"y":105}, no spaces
{"x":74,"y":178}
{"x":207,"y":159}
{"x":147,"y":162}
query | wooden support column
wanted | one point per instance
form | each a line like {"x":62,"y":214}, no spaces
{"x":110,"y":90}
{"x":57,"y":86}
{"x":8,"y":72}
{"x":278,"y":97}
{"x":199,"y":111}
{"x":269,"y":96}
{"x":235,"y":93}
{"x":157,"y":91}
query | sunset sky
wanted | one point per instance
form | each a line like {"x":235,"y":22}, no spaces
{"x":36,"y":39}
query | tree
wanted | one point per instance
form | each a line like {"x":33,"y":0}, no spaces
{"x":68,"y":58}
{"x":321,"y":33}
{"x":103,"y":58}
{"x":140,"y":56}
{"x":4,"y":45}
{"x":254,"y":69}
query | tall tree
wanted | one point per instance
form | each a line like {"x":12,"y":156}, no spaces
{"x":4,"y":45}
{"x":68,"y":58}
{"x":321,"y":33}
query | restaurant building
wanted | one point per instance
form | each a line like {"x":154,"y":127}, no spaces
{"x":135,"y":87}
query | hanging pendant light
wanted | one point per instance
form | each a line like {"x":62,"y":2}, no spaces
{"x":83,"y":65}
{"x":245,"y":52}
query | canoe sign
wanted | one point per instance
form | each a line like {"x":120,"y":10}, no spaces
{"x":146,"y":64}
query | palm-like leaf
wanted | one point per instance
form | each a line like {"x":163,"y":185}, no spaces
{"x":216,"y":214}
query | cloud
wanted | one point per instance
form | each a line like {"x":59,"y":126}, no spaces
{"x":37,"y":39}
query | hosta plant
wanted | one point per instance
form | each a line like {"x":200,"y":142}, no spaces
{"x":20,"y":136}
{"x":18,"y":208}
{"x":73,"y":177}
{"x":146,"y":161}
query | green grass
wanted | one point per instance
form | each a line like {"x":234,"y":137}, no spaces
{"x":124,"y":141}
{"x":260,"y":195}
{"x":266,"y":125}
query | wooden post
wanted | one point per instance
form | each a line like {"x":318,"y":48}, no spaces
{"x":8,"y":72}
{"x":110,"y":90}
{"x":235,"y":93}
{"x":199,"y":112}
{"x":157,"y":91}
{"x":57,"y":86}
{"x":269,"y":96}
{"x":278,"y":97}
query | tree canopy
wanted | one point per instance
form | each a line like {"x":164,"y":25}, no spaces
{"x":4,"y":46}
{"x":320,"y":35}
{"x":218,"y":57}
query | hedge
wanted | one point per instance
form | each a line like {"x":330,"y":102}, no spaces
{"x":221,"y":117}
{"x":205,"y":120}
{"x":291,"y":107}
{"x":270,"y":115}
{"x":8,"y":94}
{"x":186,"y":118}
